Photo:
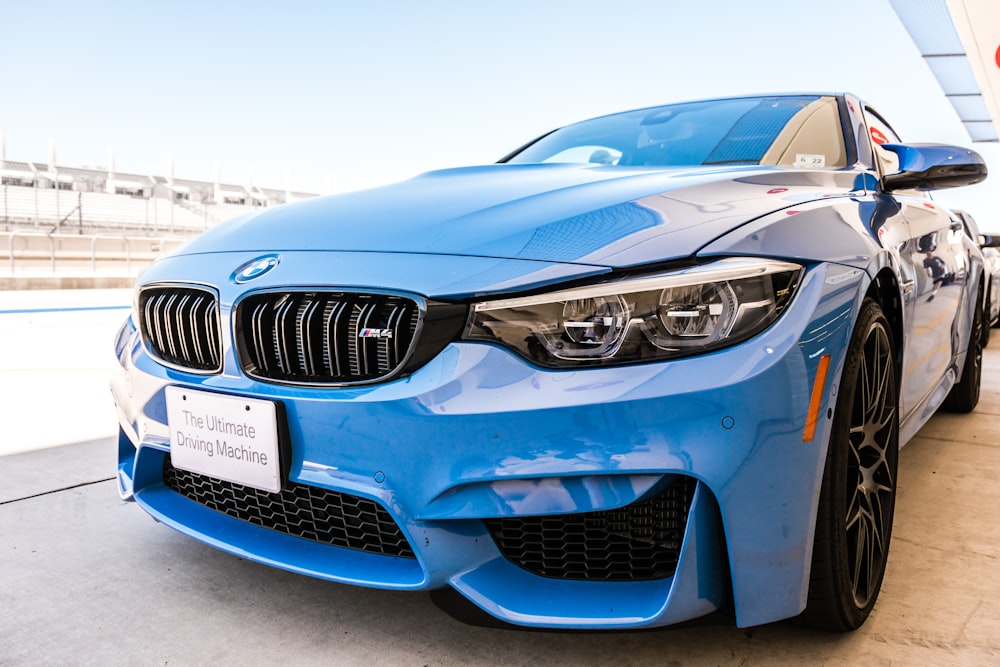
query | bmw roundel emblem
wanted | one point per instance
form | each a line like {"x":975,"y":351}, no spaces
{"x":255,"y":268}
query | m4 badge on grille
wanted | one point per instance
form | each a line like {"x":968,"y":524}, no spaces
{"x":375,"y":333}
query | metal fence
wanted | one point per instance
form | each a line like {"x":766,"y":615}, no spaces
{"x":38,"y":251}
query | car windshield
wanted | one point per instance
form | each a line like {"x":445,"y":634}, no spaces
{"x":802,"y":131}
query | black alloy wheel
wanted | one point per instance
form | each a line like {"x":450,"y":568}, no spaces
{"x":854,"y":517}
{"x":964,"y":396}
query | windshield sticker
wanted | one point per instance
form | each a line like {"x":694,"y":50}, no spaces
{"x":878,"y":137}
{"x":810,"y":161}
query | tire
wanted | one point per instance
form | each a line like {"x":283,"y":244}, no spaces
{"x":994,"y":324}
{"x":858,"y":495}
{"x":987,"y":327}
{"x":964,"y":396}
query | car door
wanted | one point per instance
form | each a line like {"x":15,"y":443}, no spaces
{"x":935,"y":264}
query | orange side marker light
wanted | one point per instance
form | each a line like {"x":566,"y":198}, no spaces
{"x":814,"y":401}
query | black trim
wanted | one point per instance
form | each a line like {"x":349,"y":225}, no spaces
{"x":312,"y":513}
{"x":639,"y":542}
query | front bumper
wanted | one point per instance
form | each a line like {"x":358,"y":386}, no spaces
{"x":477,"y":433}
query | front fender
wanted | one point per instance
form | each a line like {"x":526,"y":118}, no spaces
{"x":854,"y":232}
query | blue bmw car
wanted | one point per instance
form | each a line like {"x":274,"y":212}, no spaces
{"x":647,"y":366}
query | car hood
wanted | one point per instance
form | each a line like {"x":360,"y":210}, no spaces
{"x":571,"y":214}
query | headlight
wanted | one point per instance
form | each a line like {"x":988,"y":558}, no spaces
{"x":648,"y":318}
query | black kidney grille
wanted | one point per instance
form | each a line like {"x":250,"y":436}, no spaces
{"x":325,"y":337}
{"x":638,"y":542}
{"x":309,"y":512}
{"x":181,"y":326}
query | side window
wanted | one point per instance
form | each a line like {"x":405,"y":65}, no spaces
{"x":970,"y":226}
{"x":880,"y":133}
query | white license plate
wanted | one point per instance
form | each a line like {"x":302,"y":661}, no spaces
{"x":227,"y":437}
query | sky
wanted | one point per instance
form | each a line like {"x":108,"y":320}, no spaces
{"x":336,"y":96}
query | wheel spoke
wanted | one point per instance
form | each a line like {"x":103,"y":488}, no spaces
{"x":853,"y":510}
{"x":859,"y":558}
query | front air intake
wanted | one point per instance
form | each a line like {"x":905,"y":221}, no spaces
{"x":310,"y":512}
{"x":638,"y":542}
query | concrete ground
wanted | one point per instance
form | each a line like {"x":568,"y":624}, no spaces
{"x":87,"y":579}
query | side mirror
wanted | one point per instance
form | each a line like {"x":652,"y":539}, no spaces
{"x":933,"y":166}
{"x":989,"y":241}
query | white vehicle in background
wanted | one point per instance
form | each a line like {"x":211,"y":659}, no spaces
{"x":991,"y":260}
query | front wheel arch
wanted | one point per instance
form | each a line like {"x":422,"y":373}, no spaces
{"x":857,"y":496}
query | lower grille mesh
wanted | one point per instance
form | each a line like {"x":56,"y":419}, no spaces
{"x":638,"y":542}
{"x":304,"y":511}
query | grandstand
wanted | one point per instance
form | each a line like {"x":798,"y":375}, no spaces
{"x":98,"y":200}
{"x":58,"y":220}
